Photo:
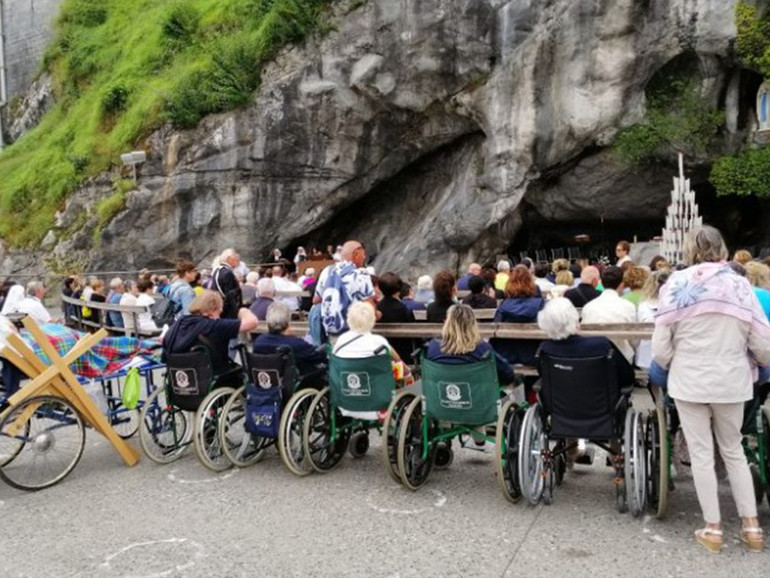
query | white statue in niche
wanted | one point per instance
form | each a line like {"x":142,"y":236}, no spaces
{"x":763,"y":107}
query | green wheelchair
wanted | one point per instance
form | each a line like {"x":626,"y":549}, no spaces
{"x":342,"y":414}
{"x":456,"y":400}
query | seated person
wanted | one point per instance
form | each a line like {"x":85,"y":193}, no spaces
{"x":265,"y":298}
{"x":407,"y":298}
{"x":204,"y":320}
{"x":360,"y":342}
{"x":521,"y":305}
{"x":560,"y":321}
{"x":392,"y":310}
{"x":32,"y":303}
{"x":310,"y":361}
{"x":444,"y":293}
{"x":461,"y":343}
{"x":479,"y":298}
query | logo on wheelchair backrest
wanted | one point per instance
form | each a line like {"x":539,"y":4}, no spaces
{"x":455,"y":395}
{"x":185,"y":382}
{"x":355,"y":384}
{"x":563,"y":367}
{"x":453,"y":392}
{"x":263,"y":379}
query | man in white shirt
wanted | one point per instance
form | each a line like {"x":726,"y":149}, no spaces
{"x":32,"y":304}
{"x":610,"y":307}
{"x":281,"y":283}
{"x":621,"y":252}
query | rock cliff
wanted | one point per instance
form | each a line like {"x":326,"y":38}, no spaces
{"x":423,"y":127}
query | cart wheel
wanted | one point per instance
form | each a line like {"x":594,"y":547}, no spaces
{"x":52,"y":437}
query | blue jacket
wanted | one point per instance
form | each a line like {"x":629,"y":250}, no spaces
{"x":519,"y":310}
{"x":504,"y":371}
{"x":305,"y":355}
{"x":462,"y":282}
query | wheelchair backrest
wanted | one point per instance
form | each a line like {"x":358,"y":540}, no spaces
{"x":580,"y":395}
{"x":189,"y":377}
{"x":267,"y":371}
{"x":363,"y":384}
{"x":466,"y":393}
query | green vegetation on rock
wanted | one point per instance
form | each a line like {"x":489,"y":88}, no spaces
{"x":747,"y":173}
{"x":121,"y":69}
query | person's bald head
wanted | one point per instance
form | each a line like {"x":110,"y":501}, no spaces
{"x":474,"y":269}
{"x":590,"y":275}
{"x":353,"y":251}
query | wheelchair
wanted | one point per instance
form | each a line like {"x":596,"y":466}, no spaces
{"x":580,"y":398}
{"x":334,"y":420}
{"x":187,"y":410}
{"x":456,"y":400}
{"x":268,"y":410}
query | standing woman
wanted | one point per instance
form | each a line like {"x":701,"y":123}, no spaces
{"x":710,"y":332}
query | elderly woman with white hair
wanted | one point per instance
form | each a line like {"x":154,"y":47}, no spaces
{"x":561,"y":321}
{"x":424,"y":293}
{"x":710,"y":333}
{"x":310,"y":361}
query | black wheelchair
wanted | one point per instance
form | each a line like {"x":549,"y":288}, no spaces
{"x":269,"y":410}
{"x":187,"y":409}
{"x":581,"y":399}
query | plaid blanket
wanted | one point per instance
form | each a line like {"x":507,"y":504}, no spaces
{"x":106,"y":357}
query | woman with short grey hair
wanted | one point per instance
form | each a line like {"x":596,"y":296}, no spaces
{"x":710,"y":332}
{"x":278,"y":318}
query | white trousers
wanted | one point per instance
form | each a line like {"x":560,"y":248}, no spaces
{"x":701,"y":423}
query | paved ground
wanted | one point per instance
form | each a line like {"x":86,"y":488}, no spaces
{"x":110,"y":521}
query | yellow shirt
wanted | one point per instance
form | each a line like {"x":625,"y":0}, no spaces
{"x":500,"y":281}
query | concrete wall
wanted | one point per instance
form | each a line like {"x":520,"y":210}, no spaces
{"x":28,"y":27}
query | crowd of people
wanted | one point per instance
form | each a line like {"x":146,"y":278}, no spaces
{"x":710,"y":345}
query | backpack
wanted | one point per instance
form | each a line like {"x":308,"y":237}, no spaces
{"x":335,"y":301}
{"x":164,"y":311}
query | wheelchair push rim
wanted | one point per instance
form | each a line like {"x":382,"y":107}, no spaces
{"x":206,"y":433}
{"x":635,"y":463}
{"x":532,"y":445}
{"x":413,"y":467}
{"x":323,"y":438}
{"x":290,"y":433}
{"x":164,"y":430}
{"x":241,"y":447}
{"x":656,"y":440}
{"x":507,"y":451}
{"x":53,"y":442}
{"x":393,"y":421}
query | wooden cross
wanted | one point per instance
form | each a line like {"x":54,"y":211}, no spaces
{"x":57,"y":379}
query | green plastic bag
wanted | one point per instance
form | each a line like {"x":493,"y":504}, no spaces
{"x":131,"y":389}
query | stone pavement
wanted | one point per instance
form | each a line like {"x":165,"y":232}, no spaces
{"x":109,"y":521}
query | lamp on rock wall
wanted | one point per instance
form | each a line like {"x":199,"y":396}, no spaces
{"x":133,"y":159}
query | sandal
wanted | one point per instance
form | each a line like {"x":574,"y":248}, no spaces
{"x":754,"y":538}
{"x":712,"y":544}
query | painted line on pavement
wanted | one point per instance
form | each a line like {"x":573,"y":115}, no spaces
{"x":438,"y":502}
{"x":196,"y":555}
{"x":172,"y":477}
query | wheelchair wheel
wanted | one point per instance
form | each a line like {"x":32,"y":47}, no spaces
{"x":444,"y":455}
{"x":532,"y":469}
{"x":413,"y":468}
{"x":656,"y":440}
{"x":358,"y":444}
{"x":635,"y":464}
{"x":323,"y":452}
{"x":507,"y":451}
{"x":164,"y":430}
{"x":206,"y":432}
{"x":391,"y":428}
{"x":242,"y":448}
{"x":290,"y":432}
{"x":51,"y":444}
{"x":125,"y":421}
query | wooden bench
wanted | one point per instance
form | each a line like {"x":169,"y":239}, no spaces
{"x":80,"y":323}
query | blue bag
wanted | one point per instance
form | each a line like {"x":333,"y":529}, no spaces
{"x":263,"y":410}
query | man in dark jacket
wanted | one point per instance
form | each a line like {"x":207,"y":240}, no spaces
{"x":479,"y":299}
{"x":586,"y":291}
{"x":224,"y":281}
